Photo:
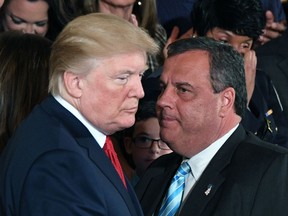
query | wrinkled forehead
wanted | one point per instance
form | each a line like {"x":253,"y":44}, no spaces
{"x":187,"y":61}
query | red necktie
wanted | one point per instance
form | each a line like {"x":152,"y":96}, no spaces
{"x":110,"y":152}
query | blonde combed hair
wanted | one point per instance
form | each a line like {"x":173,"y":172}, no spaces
{"x":90,"y":38}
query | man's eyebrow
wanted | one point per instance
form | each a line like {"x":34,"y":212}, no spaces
{"x":186,"y":84}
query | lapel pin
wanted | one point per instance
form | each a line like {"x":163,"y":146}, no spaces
{"x":209,"y":187}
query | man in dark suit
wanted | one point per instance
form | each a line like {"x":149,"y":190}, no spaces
{"x":273,"y":59}
{"x":200,"y":107}
{"x":54,"y":163}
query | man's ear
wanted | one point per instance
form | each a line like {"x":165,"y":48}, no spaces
{"x":73,"y":84}
{"x":227,"y":101}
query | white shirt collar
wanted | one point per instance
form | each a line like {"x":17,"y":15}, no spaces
{"x":199,"y":162}
{"x":98,"y":136}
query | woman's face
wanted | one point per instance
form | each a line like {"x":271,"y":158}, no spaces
{"x":28,"y":17}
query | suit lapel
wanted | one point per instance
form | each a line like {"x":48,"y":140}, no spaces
{"x":162,"y":182}
{"x":95,"y":153}
{"x":205,"y":194}
{"x":159,"y":180}
{"x":86,"y":140}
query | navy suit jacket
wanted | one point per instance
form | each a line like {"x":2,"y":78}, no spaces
{"x":53,"y":166}
{"x":248,"y":177}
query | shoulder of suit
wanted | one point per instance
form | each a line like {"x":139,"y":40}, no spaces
{"x":256,"y":149}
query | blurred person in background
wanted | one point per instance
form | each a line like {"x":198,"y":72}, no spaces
{"x":24,"y":75}
{"x":142,"y":141}
{"x":142,"y":14}
{"x":28,"y":16}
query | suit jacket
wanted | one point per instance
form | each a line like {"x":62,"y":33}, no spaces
{"x":53,"y":166}
{"x":272,"y":58}
{"x":248,"y":177}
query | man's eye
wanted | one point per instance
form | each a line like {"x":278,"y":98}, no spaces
{"x":122,"y":80}
{"x":181,"y":89}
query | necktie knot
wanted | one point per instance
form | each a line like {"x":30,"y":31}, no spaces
{"x":108,"y":146}
{"x":183,"y":170}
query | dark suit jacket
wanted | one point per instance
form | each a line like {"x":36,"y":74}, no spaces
{"x":248,"y":177}
{"x":272,"y":58}
{"x":53,"y":166}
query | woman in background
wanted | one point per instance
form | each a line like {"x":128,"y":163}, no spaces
{"x":28,"y":16}
{"x":24,"y":75}
{"x":140,"y":13}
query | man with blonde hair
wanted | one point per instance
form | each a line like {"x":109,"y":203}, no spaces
{"x":54,"y":164}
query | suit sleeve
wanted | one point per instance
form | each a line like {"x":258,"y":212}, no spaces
{"x":272,"y":193}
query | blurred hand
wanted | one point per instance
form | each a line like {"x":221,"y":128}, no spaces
{"x":133,"y":20}
{"x":175,"y":36}
{"x":250,"y":62}
{"x":272,"y":29}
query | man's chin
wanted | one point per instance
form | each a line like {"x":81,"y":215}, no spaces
{"x":127,"y":124}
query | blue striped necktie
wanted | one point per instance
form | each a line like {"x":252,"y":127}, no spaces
{"x":172,"y":200}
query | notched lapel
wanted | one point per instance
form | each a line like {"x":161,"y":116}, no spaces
{"x":91,"y":150}
{"x":98,"y":157}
